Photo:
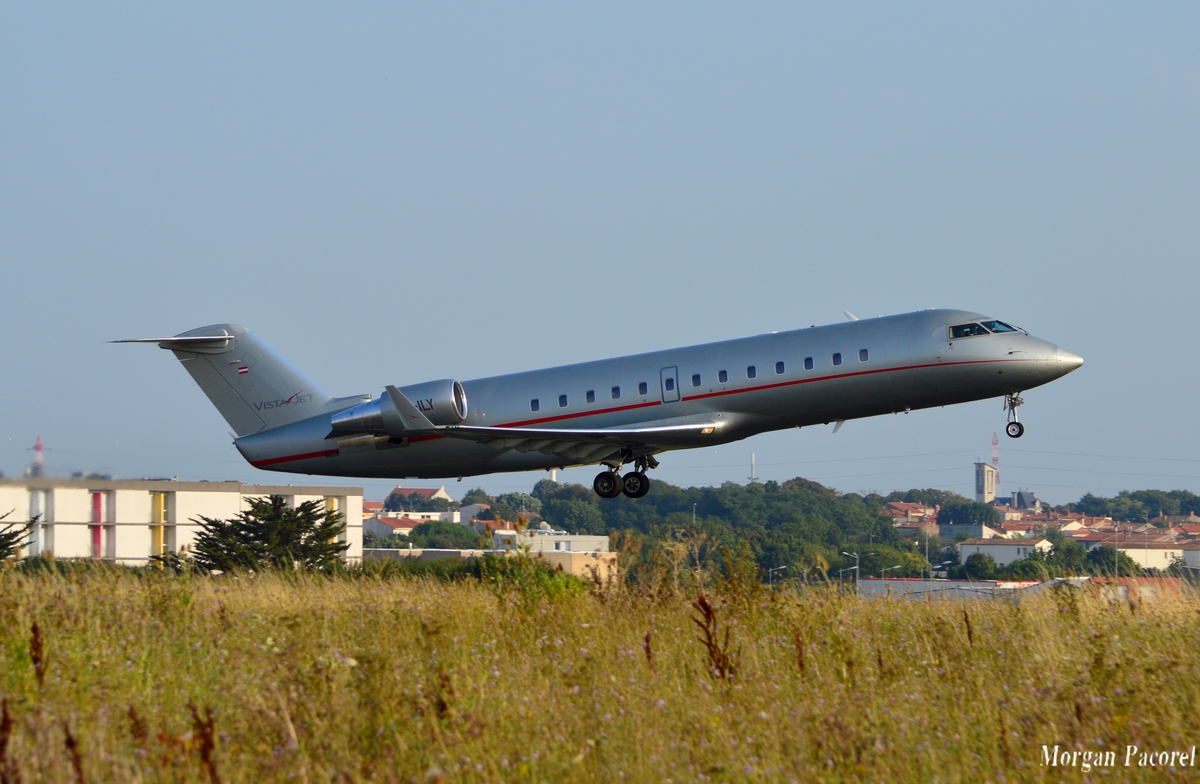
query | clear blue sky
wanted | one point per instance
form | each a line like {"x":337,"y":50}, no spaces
{"x":393,"y":195}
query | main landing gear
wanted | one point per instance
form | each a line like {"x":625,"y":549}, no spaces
{"x":1013,"y":429}
{"x":635,"y":484}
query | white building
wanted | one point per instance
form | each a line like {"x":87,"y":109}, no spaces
{"x":425,"y":517}
{"x":387,"y":526}
{"x":1003,"y":551}
{"x":127,"y":521}
{"x":468,"y":513}
{"x":1153,"y":555}
{"x":548,"y":541}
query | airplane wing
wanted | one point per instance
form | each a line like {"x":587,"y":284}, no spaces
{"x":583,"y":445}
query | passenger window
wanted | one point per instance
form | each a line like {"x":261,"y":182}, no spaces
{"x":778,"y":368}
{"x":862,"y":355}
{"x":998,"y":326}
{"x":808,"y":363}
{"x":591,"y":396}
{"x":837,"y":358}
{"x":670,"y":385}
{"x":534,"y":405}
{"x":695,"y":379}
{"x":751,"y":372}
{"x":562,"y":401}
{"x":967,"y":331}
{"x":616,"y":393}
{"x":722,"y":376}
{"x":642,"y":388}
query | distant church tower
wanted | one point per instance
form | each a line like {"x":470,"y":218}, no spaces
{"x":985,"y":483}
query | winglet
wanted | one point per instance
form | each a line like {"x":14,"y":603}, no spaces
{"x":405,"y":417}
{"x":850,"y":316}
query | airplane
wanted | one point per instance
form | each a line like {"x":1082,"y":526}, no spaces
{"x":614,"y":412}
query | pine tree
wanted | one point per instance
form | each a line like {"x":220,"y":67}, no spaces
{"x":13,"y":538}
{"x":271,"y":535}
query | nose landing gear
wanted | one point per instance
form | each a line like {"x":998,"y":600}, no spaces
{"x":635,"y":484}
{"x":1013,"y":429}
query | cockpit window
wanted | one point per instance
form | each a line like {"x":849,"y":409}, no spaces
{"x":999,"y":326}
{"x":967,"y":331}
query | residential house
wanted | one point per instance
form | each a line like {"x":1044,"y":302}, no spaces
{"x":1002,"y":551}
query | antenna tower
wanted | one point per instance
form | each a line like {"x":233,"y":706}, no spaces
{"x":753,"y":475}
{"x":996,"y":460}
{"x":38,"y":467}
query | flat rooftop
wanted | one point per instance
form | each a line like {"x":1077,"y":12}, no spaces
{"x":172,"y":485}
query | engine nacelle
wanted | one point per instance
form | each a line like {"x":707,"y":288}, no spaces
{"x":442,"y":402}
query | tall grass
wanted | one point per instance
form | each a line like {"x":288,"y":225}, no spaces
{"x":152,"y":676}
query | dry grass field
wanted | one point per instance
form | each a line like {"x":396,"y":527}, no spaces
{"x":114,"y":675}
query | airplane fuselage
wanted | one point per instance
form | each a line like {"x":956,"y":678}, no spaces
{"x":743,"y":387}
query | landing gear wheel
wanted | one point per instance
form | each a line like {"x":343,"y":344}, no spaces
{"x":1014,"y":429}
{"x":637,"y":484}
{"x":608,"y":484}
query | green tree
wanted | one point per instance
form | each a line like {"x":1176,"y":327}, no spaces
{"x":885,"y":556}
{"x":1067,"y":555}
{"x":476,"y":496}
{"x":1103,"y":560}
{"x":979,"y":566}
{"x":1034,"y":566}
{"x":575,"y":516}
{"x":271,"y":535}
{"x":399,"y":501}
{"x":14,"y":536}
{"x":520,"y":502}
{"x":1093,"y":506}
{"x":927,"y":496}
{"x":440,"y":535}
{"x":968,"y":513}
{"x":544,"y":490}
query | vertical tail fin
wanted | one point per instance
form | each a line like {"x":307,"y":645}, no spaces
{"x":253,"y":387}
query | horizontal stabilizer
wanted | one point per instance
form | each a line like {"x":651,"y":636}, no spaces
{"x":197,"y":344}
{"x":253,"y":387}
{"x":187,"y":339}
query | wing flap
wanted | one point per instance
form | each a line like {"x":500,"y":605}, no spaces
{"x":531,"y":438}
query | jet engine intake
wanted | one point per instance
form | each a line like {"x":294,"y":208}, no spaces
{"x":442,"y":402}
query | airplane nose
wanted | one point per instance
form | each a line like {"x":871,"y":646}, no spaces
{"x":1068,"y":361}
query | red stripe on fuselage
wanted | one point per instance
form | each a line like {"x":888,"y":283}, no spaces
{"x":561,"y":417}
{"x":795,"y":382}
{"x":290,"y":458}
{"x":722,"y":393}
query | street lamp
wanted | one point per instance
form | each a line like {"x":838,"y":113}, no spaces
{"x":890,"y":568}
{"x":856,"y":571}
{"x":771,"y":573}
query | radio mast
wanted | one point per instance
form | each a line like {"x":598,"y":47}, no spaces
{"x":38,"y":467}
